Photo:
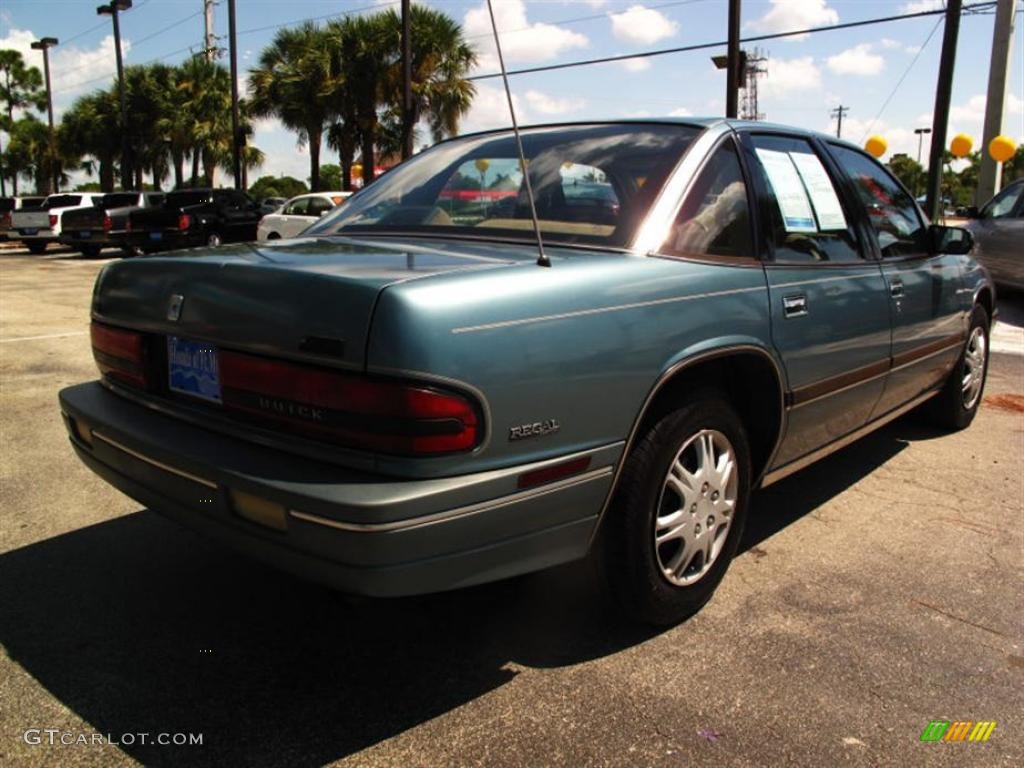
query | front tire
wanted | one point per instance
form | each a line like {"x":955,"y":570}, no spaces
{"x":90,"y":251}
{"x":956,"y":405}
{"x":677,"y":516}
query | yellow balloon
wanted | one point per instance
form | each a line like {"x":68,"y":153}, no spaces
{"x":961,"y":145}
{"x":482,"y":164}
{"x":1002,"y":148}
{"x":876,"y":146}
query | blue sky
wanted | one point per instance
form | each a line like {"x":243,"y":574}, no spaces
{"x":806,"y":77}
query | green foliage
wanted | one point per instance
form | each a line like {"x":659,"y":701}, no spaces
{"x":21,"y":87}
{"x":330,"y":177}
{"x":909,"y":171}
{"x":277,"y":186}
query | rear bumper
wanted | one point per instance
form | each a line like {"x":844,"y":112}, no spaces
{"x":361,"y":533}
{"x":99,"y":237}
{"x":168,"y":240}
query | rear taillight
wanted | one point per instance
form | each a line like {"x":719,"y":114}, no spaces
{"x":128,"y":225}
{"x":53,"y":220}
{"x":107,"y":223}
{"x":6,"y":218}
{"x":355,"y":411}
{"x":184,"y":221}
{"x":120,"y":354}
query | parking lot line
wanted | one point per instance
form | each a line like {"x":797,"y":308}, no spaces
{"x":44,"y":336}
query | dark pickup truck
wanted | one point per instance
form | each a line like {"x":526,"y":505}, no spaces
{"x":90,"y":230}
{"x":194,"y":217}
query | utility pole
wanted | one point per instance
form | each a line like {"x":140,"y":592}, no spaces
{"x":407,"y":126}
{"x":44,"y":45}
{"x":209,"y":39}
{"x":990,"y":178}
{"x":838,"y":113}
{"x":940,"y":118}
{"x":236,"y":132}
{"x":112,"y":10}
{"x":732,"y":71}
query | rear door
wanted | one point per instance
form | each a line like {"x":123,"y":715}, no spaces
{"x":293,"y":217}
{"x":928,"y":315}
{"x":999,"y":234}
{"x":828,"y":299}
{"x":240,"y":217}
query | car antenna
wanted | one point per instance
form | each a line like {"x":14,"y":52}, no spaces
{"x":542,"y":258}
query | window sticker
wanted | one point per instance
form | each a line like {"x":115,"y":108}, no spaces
{"x":789,"y":191}
{"x":819,"y":187}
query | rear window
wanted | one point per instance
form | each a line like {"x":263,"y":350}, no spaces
{"x":62,"y":201}
{"x":178,"y":199}
{"x":31,"y":202}
{"x":119,"y":200}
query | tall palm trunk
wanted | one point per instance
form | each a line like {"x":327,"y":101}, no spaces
{"x":107,"y":173}
{"x":209,"y":168}
{"x":315,"y":137}
{"x":178,"y":160}
{"x":195,"y":167}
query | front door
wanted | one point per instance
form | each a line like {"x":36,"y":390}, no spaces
{"x":928,"y":315}
{"x":829,"y":301}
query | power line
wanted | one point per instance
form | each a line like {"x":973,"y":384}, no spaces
{"x":721,"y":43}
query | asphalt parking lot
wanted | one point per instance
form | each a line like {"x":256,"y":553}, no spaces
{"x":876,"y":591}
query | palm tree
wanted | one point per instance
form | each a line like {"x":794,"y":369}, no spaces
{"x":291,"y":82}
{"x":88,"y":128}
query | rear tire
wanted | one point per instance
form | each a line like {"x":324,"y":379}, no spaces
{"x":678,"y":513}
{"x":90,"y":251}
{"x":213,"y":240}
{"x":956,"y":405}
{"x":36,"y":248}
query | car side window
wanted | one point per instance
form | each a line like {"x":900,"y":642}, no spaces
{"x":714,"y":220}
{"x":806,"y":219}
{"x":297,"y":207}
{"x":156,"y":200}
{"x":891,"y":210}
{"x":319,"y":205}
{"x":1002,"y":205}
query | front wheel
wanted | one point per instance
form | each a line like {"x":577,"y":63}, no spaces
{"x":957,"y":404}
{"x":677,"y":517}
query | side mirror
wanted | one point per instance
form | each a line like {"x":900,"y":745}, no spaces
{"x":324,"y":213}
{"x":952,"y":240}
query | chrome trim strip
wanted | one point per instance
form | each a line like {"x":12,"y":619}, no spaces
{"x":454,"y":514}
{"x":159,"y":464}
{"x":805,"y":461}
{"x":930,"y":355}
{"x":798,"y":406}
{"x":875,"y":273}
{"x":601,"y":310}
{"x":667,"y":376}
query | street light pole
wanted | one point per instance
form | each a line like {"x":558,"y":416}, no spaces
{"x":44,"y":45}
{"x":920,"y":138}
{"x":112,"y":10}
{"x":236,"y":137}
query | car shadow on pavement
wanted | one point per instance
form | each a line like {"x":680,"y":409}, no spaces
{"x":139,"y":626}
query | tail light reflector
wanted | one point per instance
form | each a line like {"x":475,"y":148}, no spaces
{"x":184,"y":221}
{"x":6,"y":218}
{"x":356,"y":411}
{"x":120,"y":354}
{"x":107,"y":223}
{"x":53,"y":220}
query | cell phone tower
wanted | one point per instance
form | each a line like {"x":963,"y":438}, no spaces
{"x":756,"y":65}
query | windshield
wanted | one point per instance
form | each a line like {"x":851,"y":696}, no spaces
{"x":120,"y":200}
{"x":62,"y":201}
{"x":593,"y":184}
{"x":181,"y":199}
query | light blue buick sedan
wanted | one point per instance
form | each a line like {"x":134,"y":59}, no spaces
{"x":415,"y":397}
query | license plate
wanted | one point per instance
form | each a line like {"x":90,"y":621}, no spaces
{"x":156,"y":235}
{"x":85,"y":234}
{"x":33,"y":231}
{"x":192,"y":368}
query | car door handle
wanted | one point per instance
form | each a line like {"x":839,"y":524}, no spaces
{"x":795,"y":305}
{"x":896,"y":288}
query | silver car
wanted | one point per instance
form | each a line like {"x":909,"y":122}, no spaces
{"x":999,"y":236}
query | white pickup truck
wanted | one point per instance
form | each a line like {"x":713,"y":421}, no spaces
{"x":37,"y":227}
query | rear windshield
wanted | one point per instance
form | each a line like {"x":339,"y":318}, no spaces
{"x":62,"y":201}
{"x":31,"y":202}
{"x":179,"y":199}
{"x":593,"y":184}
{"x":119,"y":200}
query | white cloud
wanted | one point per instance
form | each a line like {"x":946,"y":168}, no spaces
{"x":490,"y":110}
{"x":785,"y":77}
{"x":636,"y":65}
{"x":521,"y":41}
{"x":922,"y":5}
{"x":544,"y":104}
{"x":859,"y":60}
{"x":641,"y":25}
{"x":681,"y":112}
{"x":888,"y":42}
{"x":789,"y":15}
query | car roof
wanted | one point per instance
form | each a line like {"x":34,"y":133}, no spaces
{"x":693,"y":122}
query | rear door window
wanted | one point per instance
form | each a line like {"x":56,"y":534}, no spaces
{"x":1002,"y":205}
{"x":297,"y":207}
{"x":891,"y":210}
{"x":319,"y":205}
{"x":807,"y":220}
{"x":714,"y":220}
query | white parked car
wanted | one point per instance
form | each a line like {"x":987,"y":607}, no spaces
{"x":297,"y":214}
{"x":37,"y":227}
